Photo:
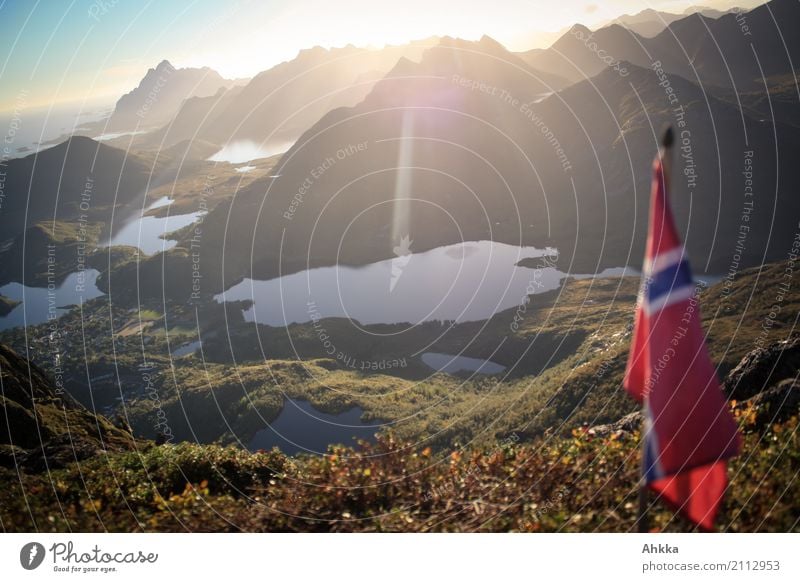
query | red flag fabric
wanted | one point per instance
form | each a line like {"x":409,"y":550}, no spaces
{"x":689,"y":431}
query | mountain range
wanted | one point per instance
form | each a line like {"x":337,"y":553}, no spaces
{"x":275,"y":106}
{"x":144,"y":405}
{"x":483,"y":143}
{"x":160,"y":94}
{"x":483,"y":153}
{"x":735,"y":50}
{"x":650,"y":22}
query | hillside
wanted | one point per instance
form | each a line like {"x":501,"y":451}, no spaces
{"x":584,"y":482}
{"x":734,"y":50}
{"x":255,"y":363}
{"x":48,"y":250}
{"x":42,"y":427}
{"x":76,"y":193}
{"x":79,"y":176}
{"x":552,"y":449}
{"x":564,"y":353}
{"x":570,"y":170}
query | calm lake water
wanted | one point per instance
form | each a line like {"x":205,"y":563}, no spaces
{"x":163,"y":201}
{"x":301,"y":428}
{"x":37,"y":302}
{"x":452,"y":364}
{"x":463,"y":282}
{"x":245,"y":150}
{"x":115,"y":135}
{"x":145,"y":232}
{"x":186,"y":349}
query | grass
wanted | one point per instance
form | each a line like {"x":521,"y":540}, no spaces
{"x":70,"y":240}
{"x":565,"y":352}
{"x":578,"y":483}
{"x":500,"y":453}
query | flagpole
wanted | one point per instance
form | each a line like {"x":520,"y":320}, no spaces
{"x":642,"y":518}
{"x":666,"y":153}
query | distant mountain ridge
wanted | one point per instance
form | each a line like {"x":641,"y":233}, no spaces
{"x":160,"y":94}
{"x":710,"y":12}
{"x":650,"y":22}
{"x":278,"y":104}
{"x":501,"y":161}
{"x":730,"y":51}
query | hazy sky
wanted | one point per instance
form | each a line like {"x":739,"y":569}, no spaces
{"x":54,"y":51}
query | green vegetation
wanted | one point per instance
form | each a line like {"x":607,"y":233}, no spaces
{"x":565,"y":350}
{"x":41,"y":426}
{"x":580,"y":483}
{"x":51,"y":250}
{"x":209,"y":182}
{"x":539,"y":449}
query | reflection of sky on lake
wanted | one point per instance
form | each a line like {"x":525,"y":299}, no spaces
{"x":36,"y":301}
{"x":301,"y":428}
{"x":463,"y":282}
{"x":146,"y":232}
{"x":244,"y":150}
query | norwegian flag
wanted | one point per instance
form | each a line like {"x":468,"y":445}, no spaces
{"x":689,"y":432}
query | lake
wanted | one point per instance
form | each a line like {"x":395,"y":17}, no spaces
{"x":301,"y":428}
{"x":186,"y":349}
{"x":468,"y":281}
{"x":37,"y":302}
{"x":115,"y":135}
{"x":245,"y":150}
{"x":163,"y":201}
{"x":145,"y":232}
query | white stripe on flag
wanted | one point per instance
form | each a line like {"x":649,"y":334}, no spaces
{"x":667,"y":299}
{"x":664,"y":260}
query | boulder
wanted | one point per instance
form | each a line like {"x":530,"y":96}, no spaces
{"x":763,"y":367}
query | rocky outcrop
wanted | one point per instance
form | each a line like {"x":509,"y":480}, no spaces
{"x":762,"y":368}
{"x":41,"y":426}
{"x":766,"y":382}
{"x":774,"y":405}
{"x":625,"y":425}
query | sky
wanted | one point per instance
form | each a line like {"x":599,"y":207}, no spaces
{"x":91,"y":51}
